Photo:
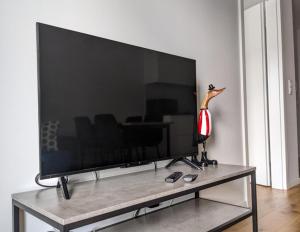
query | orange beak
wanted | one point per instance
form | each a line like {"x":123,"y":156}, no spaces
{"x":215,"y":92}
{"x":219,"y":90}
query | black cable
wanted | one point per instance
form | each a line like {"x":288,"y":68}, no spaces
{"x":96,"y":175}
{"x":37,"y":181}
{"x":136,"y":214}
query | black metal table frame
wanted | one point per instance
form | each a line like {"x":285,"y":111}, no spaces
{"x":17,"y":208}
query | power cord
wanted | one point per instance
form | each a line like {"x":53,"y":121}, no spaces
{"x":37,"y":181}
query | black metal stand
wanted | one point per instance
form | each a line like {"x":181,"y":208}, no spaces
{"x":16,"y":218}
{"x":184,"y":160}
{"x":63,"y":184}
{"x":204,"y":162}
{"x":254,"y":202}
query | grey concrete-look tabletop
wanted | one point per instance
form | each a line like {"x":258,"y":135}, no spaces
{"x":94,"y":198}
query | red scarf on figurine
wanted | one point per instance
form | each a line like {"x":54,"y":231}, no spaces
{"x":204,"y":123}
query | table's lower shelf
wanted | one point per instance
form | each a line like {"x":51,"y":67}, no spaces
{"x":191,"y":216}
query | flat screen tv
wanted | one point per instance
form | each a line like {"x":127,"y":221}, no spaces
{"x":105,"y":104}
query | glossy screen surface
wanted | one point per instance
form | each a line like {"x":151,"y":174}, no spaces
{"x":106,"y":104}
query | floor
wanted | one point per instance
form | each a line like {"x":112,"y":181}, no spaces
{"x":277,"y":211}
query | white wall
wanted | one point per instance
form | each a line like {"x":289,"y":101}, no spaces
{"x":288,"y":70}
{"x":206,"y":30}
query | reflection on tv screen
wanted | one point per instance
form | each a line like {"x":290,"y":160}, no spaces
{"x":106,"y":104}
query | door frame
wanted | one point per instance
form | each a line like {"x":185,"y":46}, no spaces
{"x":278,"y":176}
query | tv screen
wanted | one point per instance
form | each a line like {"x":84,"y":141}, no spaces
{"x":106,"y":104}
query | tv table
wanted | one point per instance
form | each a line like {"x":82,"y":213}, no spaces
{"x":93,"y":201}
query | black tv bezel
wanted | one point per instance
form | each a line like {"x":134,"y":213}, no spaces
{"x":61,"y":174}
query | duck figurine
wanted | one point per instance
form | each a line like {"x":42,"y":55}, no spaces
{"x":204,"y":126}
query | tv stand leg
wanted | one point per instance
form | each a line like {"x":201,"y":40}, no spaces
{"x":64,"y":187}
{"x":174,"y":161}
{"x":190,"y":163}
{"x":186,"y":161}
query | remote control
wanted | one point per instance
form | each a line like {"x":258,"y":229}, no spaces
{"x":173,"y":177}
{"x":190,"y":177}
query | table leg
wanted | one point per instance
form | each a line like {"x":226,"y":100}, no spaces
{"x":197,"y":195}
{"x":63,"y":229}
{"x":254,"y":202}
{"x":16,"y":218}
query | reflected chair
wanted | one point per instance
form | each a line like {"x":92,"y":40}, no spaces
{"x":152,"y":137}
{"x":109,"y":136}
{"x":133,"y":137}
{"x":85,"y":134}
